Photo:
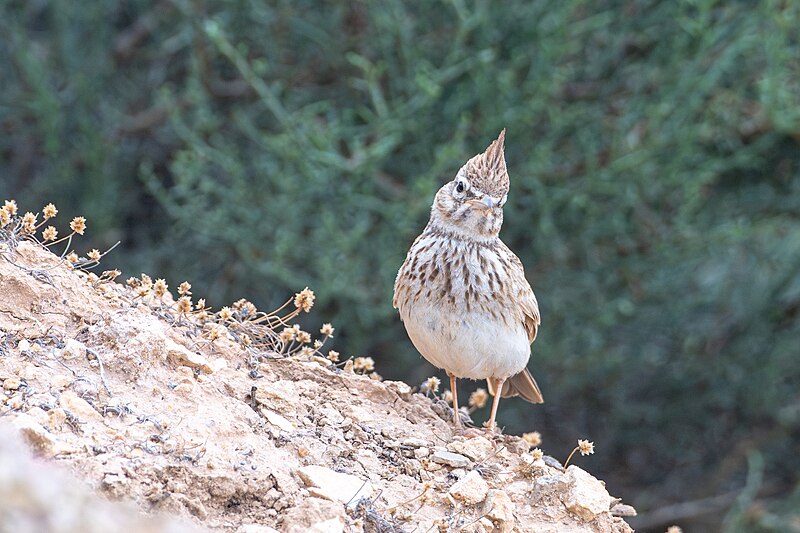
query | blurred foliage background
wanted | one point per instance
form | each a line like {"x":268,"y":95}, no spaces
{"x":257,"y":147}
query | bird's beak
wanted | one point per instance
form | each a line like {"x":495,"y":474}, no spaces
{"x":484,"y":205}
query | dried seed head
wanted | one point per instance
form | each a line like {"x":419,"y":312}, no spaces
{"x":375,"y":376}
{"x":431,"y":384}
{"x":317,"y":344}
{"x":247,"y":340}
{"x":133,"y":282}
{"x":448,"y":396}
{"x":288,"y":335}
{"x":247,"y":309}
{"x":585,"y":447}
{"x":534,"y":438}
{"x":78,"y":225}
{"x":10,"y":207}
{"x":333,"y":356}
{"x":478,"y":398}
{"x":49,"y":211}
{"x":5,"y":218}
{"x":201,"y":303}
{"x":674,"y":529}
{"x":184,"y":305}
{"x":49,"y":234}
{"x":214,"y":332}
{"x":364,"y":364}
{"x":327,"y":330}
{"x":147,"y":282}
{"x":94,"y":254}
{"x":537,"y":454}
{"x":160,"y":287}
{"x":111,"y":274}
{"x":185,"y":288}
{"x":303,"y":337}
{"x":28,"y":223}
{"x":304,"y":299}
{"x":306,"y":351}
{"x":225,"y":313}
{"x":72,"y":257}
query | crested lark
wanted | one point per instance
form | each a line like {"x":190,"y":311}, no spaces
{"x":462,"y":294}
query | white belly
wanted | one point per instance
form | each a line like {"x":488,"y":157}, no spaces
{"x":468,"y":345}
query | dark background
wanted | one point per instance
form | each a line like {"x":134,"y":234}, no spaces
{"x":255,"y":147}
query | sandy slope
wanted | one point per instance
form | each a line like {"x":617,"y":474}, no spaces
{"x":147,"y":411}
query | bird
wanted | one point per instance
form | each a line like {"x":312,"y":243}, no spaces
{"x":461,"y":292}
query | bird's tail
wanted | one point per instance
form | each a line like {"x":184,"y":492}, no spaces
{"x":521,"y":384}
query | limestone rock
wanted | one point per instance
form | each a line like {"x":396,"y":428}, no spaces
{"x":180,"y":355}
{"x":256,"y":528}
{"x":74,"y":349}
{"x":315,"y":515}
{"x":477,"y":448}
{"x":587,"y":496}
{"x":277,"y":420}
{"x":79,"y":407}
{"x":11,"y":383}
{"x":471,"y":489}
{"x":456,"y":460}
{"x":38,"y":438}
{"x":336,"y":486}
{"x":499,"y":508}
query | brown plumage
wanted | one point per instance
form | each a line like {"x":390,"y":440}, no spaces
{"x":462,"y":293}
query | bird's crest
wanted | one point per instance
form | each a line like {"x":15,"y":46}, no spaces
{"x":487,"y":171}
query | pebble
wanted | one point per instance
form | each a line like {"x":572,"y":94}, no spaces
{"x":11,"y":383}
{"x":78,"y":406}
{"x":587,"y":496}
{"x":471,"y":489}
{"x":456,"y":460}
{"x":336,"y":486}
{"x":38,"y":438}
{"x":499,"y":508}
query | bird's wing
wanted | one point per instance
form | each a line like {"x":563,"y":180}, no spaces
{"x":523,"y":297}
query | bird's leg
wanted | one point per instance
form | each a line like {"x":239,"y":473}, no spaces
{"x":498,"y":389}
{"x":455,"y":400}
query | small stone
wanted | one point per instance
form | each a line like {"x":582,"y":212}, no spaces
{"x":78,"y":406}
{"x":38,"y":414}
{"x":336,"y":486}
{"x":184,"y":389}
{"x":549,"y":485}
{"x":315,"y":515}
{"x":398,"y":387}
{"x":471,"y":489}
{"x":421,"y":452}
{"x":277,"y":420}
{"x":414,"y":442}
{"x":256,"y":528}
{"x":24,"y":345}
{"x":477,"y":448}
{"x":56,"y":418}
{"x":180,"y":355}
{"x":587,"y":496}
{"x":456,"y":460}
{"x":11,"y":383}
{"x":38,"y":438}
{"x":74,"y":349}
{"x":622,"y":509}
{"x":499,"y":508}
{"x":60,"y":382}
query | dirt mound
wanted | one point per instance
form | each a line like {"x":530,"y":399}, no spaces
{"x":133,"y":401}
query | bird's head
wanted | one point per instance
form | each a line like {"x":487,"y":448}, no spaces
{"x":472,"y":204}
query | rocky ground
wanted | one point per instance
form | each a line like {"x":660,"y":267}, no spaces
{"x":125,"y":395}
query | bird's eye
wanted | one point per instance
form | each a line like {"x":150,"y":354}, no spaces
{"x":460,"y":187}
